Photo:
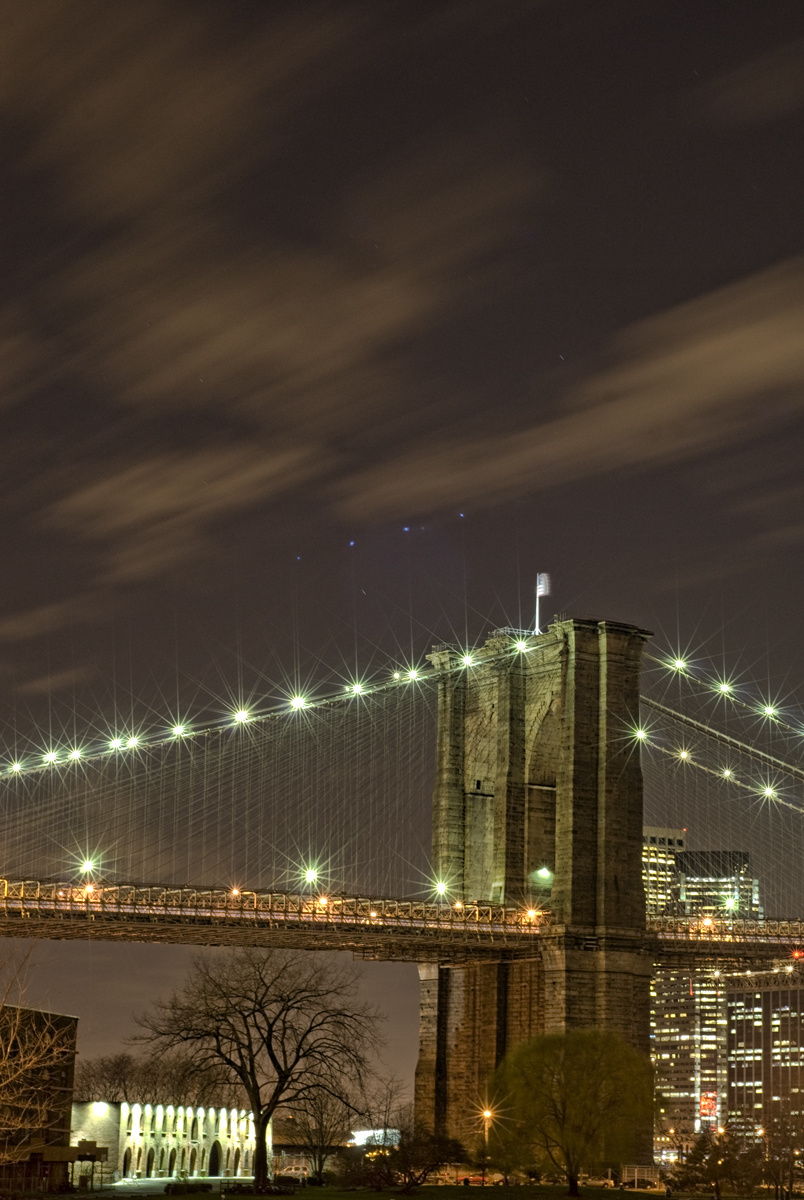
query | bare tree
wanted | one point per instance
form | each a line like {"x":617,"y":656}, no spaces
{"x":419,"y":1153}
{"x":171,"y":1078}
{"x":321,"y":1123}
{"x":284,"y":1024}
{"x":37,"y":1050}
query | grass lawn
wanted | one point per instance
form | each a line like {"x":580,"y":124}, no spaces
{"x":542,"y":1191}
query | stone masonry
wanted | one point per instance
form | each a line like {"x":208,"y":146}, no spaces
{"x":538,"y":802}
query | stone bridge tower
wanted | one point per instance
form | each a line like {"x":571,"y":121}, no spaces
{"x":538,"y":800}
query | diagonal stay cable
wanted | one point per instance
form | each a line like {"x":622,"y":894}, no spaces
{"x":743,"y":747}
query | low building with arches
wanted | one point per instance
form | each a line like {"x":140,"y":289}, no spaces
{"x":166,"y":1140}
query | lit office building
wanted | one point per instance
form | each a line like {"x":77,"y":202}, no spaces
{"x":689,"y":1016}
{"x":659,"y":874}
{"x":689,"y":1030}
{"x":716,"y":883}
{"x":765,"y":1047}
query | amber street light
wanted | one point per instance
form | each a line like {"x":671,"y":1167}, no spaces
{"x":486,"y":1122}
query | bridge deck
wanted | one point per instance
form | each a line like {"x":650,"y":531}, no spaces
{"x":370,"y":927}
{"x":410,"y":929}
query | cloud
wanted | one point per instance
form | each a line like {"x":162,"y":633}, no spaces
{"x":47,"y":618}
{"x":766,"y":89}
{"x":703,"y":374}
{"x":150,"y":515}
{"x":54,"y":681}
{"x":201,"y":354}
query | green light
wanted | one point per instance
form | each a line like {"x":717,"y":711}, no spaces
{"x":725,"y":688}
{"x":16,"y":766}
{"x":544,"y":872}
{"x":116,"y":744}
{"x":87,"y":865}
{"x":769,"y":792}
{"x":640,"y":734}
{"x":397,"y":675}
{"x":679,"y":664}
{"x":467,"y":660}
{"x":521,"y":645}
{"x":179,"y":730}
{"x":727,"y":773}
{"x":310,"y":875}
{"x":769,"y":710}
{"x":75,"y":754}
{"x":50,"y":757}
{"x":357,"y":688}
{"x":684,"y":754}
{"x":441,"y":889}
{"x":241,"y":716}
{"x":413,"y":674}
{"x":731,"y":902}
{"x":298,"y":702}
{"x":133,"y":742}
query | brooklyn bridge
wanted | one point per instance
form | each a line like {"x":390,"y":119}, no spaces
{"x":479,"y":812}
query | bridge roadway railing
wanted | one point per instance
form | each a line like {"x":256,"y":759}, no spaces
{"x":702,"y":937}
{"x":218,"y":916}
{"x":371,"y":926}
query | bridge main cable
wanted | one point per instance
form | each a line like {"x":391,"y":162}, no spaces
{"x":735,"y":743}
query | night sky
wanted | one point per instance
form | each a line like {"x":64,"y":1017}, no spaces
{"x":323,"y":327}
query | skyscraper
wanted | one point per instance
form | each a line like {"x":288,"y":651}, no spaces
{"x":689,"y":1020}
{"x":659,"y":873}
{"x":765,"y":1048}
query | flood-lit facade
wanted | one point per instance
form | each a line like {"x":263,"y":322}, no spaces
{"x":156,"y":1140}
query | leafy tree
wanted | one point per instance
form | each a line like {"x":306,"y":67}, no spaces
{"x":508,"y":1152}
{"x":577,"y":1098}
{"x":283,"y":1024}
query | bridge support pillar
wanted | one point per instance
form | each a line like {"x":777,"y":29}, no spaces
{"x":538,"y":801}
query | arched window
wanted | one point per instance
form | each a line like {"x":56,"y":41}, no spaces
{"x":172,"y":1161}
{"x":127,"y":1162}
{"x":183,"y":1158}
{"x":164,"y":1122}
{"x":149,"y":1163}
{"x":139,"y":1157}
{"x":194,"y":1130}
{"x":193,"y":1156}
{"x":162,"y":1159}
{"x":153,"y":1123}
{"x":203,"y":1157}
{"x":130,"y":1122}
{"x":236,"y":1166}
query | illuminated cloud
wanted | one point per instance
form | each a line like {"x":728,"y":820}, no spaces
{"x":701,"y":375}
{"x":766,"y":89}
{"x":151,"y":516}
{"x":216,"y":368}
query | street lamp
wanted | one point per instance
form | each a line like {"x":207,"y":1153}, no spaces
{"x":486,"y":1122}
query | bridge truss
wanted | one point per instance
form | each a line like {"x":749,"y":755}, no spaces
{"x":368,"y":927}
